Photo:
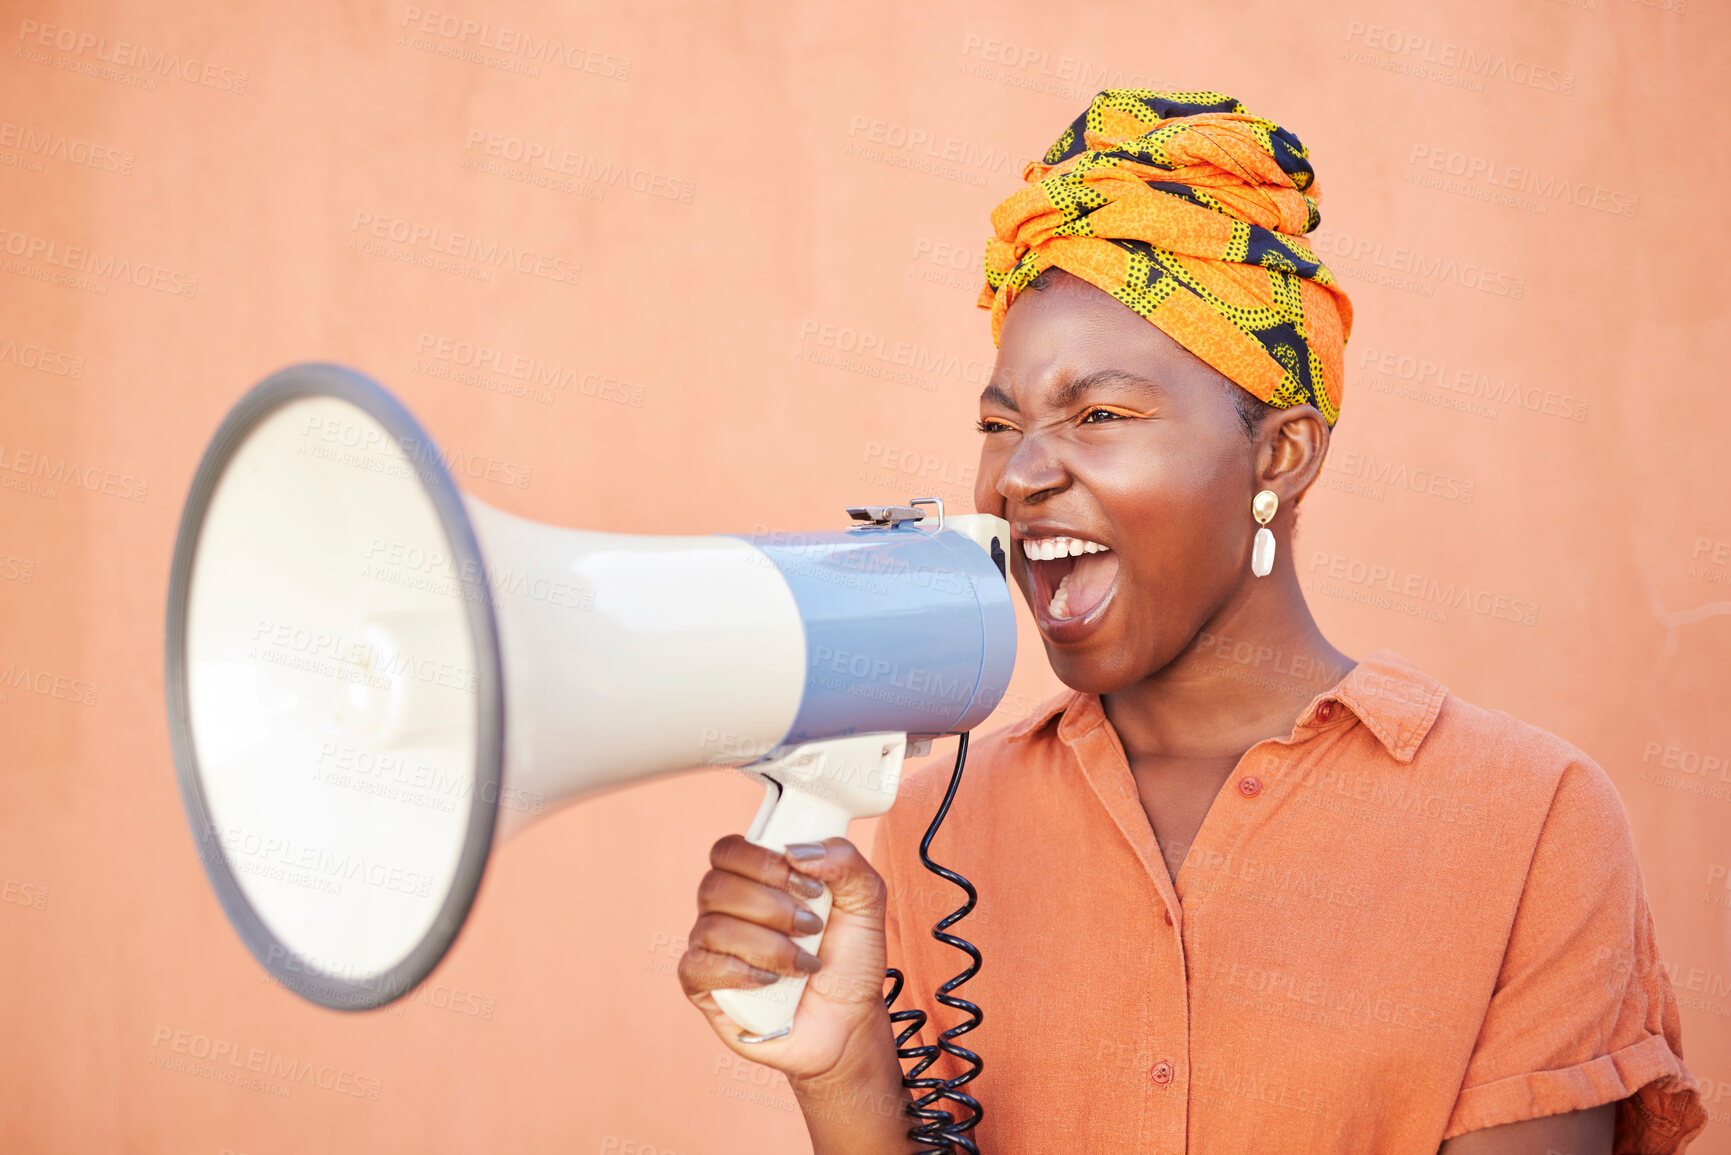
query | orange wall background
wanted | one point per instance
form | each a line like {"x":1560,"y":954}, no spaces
{"x":1526,"y":200}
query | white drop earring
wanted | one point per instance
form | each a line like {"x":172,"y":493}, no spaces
{"x":1262,"y":507}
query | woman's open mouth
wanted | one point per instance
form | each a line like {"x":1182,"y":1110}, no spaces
{"x":1071,"y":576}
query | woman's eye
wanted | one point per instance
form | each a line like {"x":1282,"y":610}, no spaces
{"x":991,"y":425}
{"x":1097,"y":415}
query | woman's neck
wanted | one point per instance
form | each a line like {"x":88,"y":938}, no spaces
{"x":1245,"y":676}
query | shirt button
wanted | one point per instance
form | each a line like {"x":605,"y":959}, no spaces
{"x":1325,"y":711}
{"x":1168,"y":915}
{"x":1250,"y":787}
{"x":1162,"y":1072}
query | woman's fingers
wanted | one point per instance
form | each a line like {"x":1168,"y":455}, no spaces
{"x":735,"y":855}
{"x":702,"y":971}
{"x":836,"y":862}
{"x":727,"y":951}
{"x":751,"y":907}
{"x":724,"y":893}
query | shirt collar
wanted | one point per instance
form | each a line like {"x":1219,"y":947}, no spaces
{"x":1394,"y":699}
{"x":1396,"y":702}
{"x":1060,"y":703}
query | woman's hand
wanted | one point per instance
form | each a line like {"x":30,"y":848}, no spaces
{"x":840,"y":1058}
{"x":750,"y":907}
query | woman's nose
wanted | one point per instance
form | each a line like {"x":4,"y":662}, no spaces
{"x":1032,"y":473}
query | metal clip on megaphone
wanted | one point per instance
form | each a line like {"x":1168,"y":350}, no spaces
{"x":369,"y":674}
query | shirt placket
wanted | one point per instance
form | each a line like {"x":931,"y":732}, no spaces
{"x":1244,"y":797}
{"x":1164,"y":1022}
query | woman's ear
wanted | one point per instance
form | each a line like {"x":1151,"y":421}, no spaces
{"x":1292,"y":444}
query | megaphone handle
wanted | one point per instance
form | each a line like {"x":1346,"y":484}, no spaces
{"x":793,"y":815}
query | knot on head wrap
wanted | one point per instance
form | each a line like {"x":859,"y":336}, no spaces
{"x":1190,"y":211}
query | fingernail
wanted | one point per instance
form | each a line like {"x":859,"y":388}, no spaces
{"x":807,"y":922}
{"x":804,"y":885}
{"x":806,"y":851}
{"x":807,"y":962}
{"x":762,"y":977}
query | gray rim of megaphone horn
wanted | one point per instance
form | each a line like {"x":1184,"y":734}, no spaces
{"x":292,"y":971}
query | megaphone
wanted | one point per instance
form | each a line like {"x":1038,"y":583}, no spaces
{"x":370,"y":675}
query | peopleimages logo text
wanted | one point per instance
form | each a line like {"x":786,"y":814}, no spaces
{"x":125,"y":54}
{"x":515,"y":43}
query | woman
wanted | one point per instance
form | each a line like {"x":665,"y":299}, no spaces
{"x":1238,"y":892}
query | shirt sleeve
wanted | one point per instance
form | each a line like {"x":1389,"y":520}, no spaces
{"x":1583,"y":1012}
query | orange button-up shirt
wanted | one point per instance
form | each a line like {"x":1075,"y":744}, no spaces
{"x":1409,"y":919}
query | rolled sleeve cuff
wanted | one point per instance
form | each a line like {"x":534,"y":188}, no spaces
{"x":1663,"y":1111}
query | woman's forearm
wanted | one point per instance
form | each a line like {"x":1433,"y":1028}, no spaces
{"x":860,"y":1109}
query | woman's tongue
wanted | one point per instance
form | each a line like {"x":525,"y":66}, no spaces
{"x":1081,"y":589}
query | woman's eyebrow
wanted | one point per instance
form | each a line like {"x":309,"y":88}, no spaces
{"x":1073,"y":390}
{"x":997,"y":395}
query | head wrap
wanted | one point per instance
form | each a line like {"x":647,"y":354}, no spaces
{"x":1190,"y":211}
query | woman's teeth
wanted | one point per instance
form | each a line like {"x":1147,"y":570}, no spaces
{"x":1052,"y":548}
{"x":1049,"y":548}
{"x":1060,"y":607}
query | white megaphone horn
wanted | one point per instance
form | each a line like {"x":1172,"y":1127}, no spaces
{"x":368,"y":672}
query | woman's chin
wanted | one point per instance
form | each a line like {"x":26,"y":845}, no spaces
{"x":1095,"y":669}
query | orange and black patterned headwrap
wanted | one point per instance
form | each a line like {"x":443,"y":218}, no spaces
{"x":1192,"y":212}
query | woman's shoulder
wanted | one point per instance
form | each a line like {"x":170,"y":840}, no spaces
{"x":1517,"y":765}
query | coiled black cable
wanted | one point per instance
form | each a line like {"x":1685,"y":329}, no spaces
{"x":938,"y":1127}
